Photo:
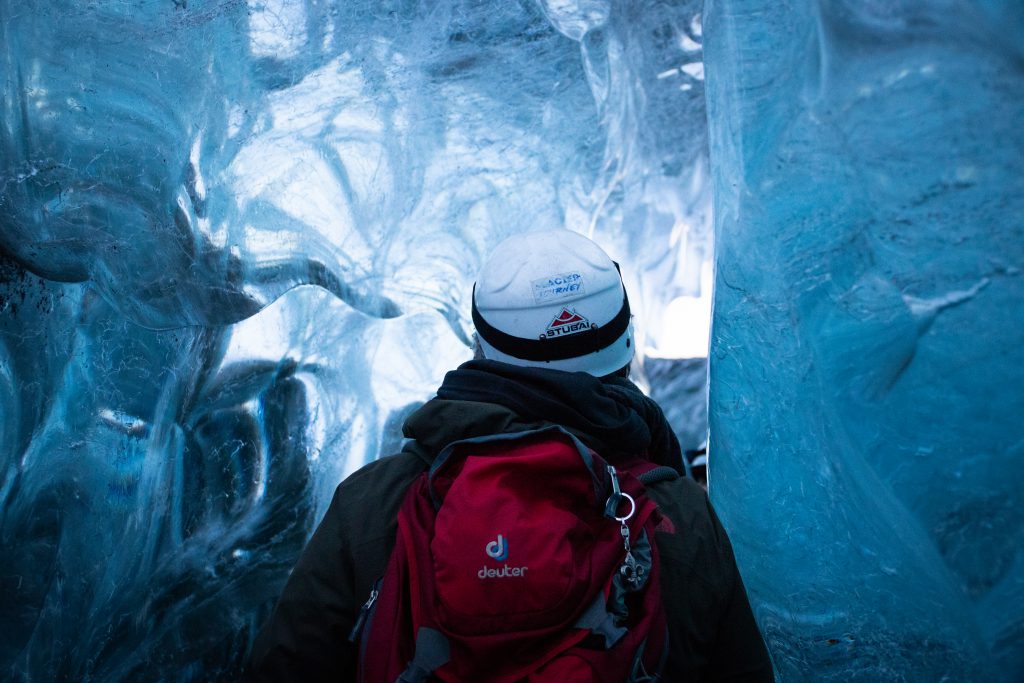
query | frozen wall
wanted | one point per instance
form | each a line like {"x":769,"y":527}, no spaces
{"x":868,"y":342}
{"x":236,"y":245}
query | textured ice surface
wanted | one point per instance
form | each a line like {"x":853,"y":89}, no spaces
{"x":867,"y":445}
{"x":236,"y":244}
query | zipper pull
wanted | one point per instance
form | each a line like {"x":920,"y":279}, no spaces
{"x":364,"y":612}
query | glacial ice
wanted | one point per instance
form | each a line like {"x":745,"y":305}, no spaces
{"x":236,"y":245}
{"x":867,"y":446}
{"x":237,"y":239}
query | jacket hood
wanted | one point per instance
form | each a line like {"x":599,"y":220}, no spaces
{"x":483,"y":397}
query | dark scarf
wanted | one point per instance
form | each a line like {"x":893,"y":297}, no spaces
{"x":612,"y":415}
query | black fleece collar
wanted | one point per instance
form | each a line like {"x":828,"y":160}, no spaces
{"x":483,"y":397}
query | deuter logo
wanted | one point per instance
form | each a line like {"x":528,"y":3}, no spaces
{"x":497,"y":550}
{"x":491,"y":573}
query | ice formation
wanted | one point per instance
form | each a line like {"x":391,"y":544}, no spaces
{"x":237,"y":239}
{"x":236,"y":244}
{"x":867,"y":446}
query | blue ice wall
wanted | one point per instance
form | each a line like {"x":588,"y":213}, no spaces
{"x":236,"y":245}
{"x":867,"y":446}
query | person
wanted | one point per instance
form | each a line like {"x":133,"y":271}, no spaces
{"x":554,"y":345}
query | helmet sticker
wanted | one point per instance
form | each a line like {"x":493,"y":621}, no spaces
{"x":557,"y":287}
{"x":567,"y":322}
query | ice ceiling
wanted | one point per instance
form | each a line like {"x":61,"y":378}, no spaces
{"x":237,"y":240}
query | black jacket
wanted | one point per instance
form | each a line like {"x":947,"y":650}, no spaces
{"x":712,"y":633}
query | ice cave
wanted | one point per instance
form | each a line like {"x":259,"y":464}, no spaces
{"x":237,"y":243}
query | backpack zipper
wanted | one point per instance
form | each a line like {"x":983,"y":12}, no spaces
{"x":364,"y":612}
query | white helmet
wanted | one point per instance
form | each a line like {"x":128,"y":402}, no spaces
{"x":554,"y":300}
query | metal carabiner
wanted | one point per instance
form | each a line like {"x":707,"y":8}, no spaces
{"x":611,"y":506}
{"x":632,"y":508}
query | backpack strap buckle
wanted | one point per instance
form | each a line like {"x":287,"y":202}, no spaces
{"x":432,"y":652}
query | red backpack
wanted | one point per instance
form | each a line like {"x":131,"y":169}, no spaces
{"x":520,"y":557}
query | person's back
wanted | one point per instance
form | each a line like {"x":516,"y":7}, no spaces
{"x":555,"y":344}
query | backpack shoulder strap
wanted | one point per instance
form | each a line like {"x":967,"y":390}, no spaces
{"x":657,"y":474}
